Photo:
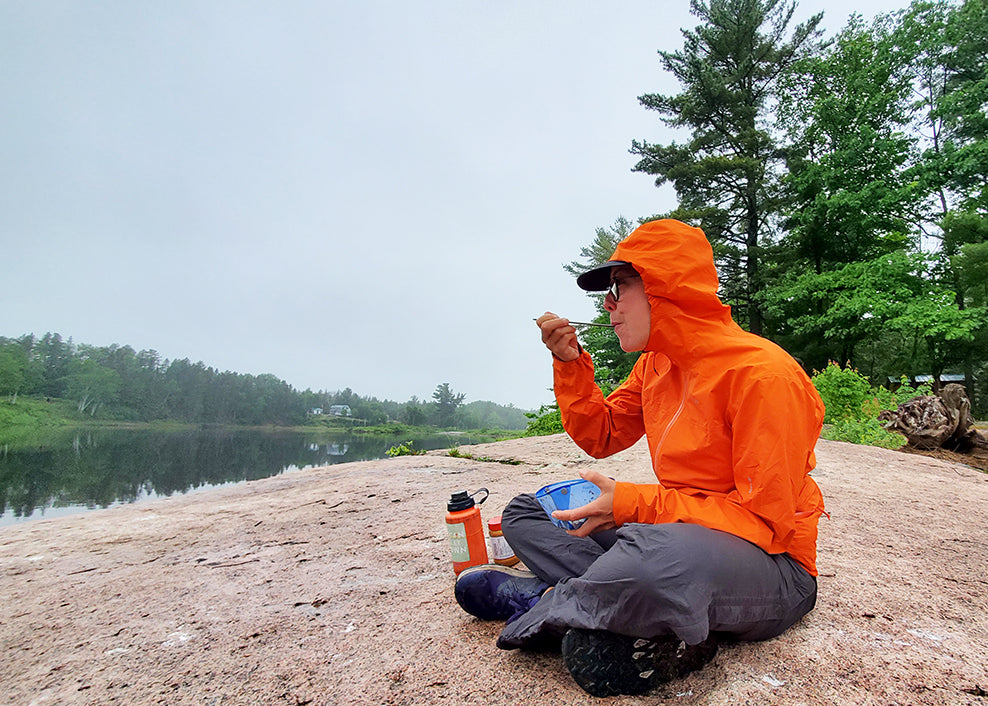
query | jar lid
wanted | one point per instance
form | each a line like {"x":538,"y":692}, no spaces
{"x":494,"y":524}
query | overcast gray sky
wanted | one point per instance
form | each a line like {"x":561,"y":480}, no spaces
{"x":375,"y":195}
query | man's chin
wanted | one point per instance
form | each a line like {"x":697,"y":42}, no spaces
{"x":629,"y":348}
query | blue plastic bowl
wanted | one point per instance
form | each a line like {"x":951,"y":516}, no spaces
{"x":566,"y":495}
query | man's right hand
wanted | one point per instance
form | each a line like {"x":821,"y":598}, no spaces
{"x":559,"y":336}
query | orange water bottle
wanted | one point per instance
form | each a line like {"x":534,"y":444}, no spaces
{"x":466,"y":531}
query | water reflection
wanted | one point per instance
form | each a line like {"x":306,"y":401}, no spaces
{"x":84,"y":470}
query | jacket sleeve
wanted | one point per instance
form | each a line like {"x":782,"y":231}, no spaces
{"x":775,"y":425}
{"x":599,"y":426}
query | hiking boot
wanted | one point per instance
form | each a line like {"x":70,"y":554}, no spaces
{"x":495,"y":592}
{"x":607,"y":664}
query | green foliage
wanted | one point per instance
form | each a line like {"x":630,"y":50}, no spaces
{"x":961,"y":105}
{"x":853,"y":406}
{"x":13,"y":368}
{"x":404,"y":449}
{"x":843,"y":391}
{"x":847,"y":394}
{"x":91,"y":384}
{"x":28,"y":416}
{"x":840,"y":308}
{"x":972,"y":266}
{"x":841,"y":183}
{"x":600,"y":250}
{"x":446,"y":404}
{"x":965,"y":255}
{"x":481,"y":414}
{"x":887,"y":398}
{"x":116,"y":383}
{"x":849,"y":195}
{"x":865,"y":428}
{"x":868,"y":431}
{"x":726,"y":175}
{"x":548,"y":420}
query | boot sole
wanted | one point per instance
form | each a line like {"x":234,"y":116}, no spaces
{"x":606,"y":664}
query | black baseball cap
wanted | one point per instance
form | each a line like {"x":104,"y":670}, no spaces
{"x":599,"y":278}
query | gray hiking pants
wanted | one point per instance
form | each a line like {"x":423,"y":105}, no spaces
{"x":651,"y":580}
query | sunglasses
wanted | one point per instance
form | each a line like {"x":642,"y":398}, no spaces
{"x":614,"y":290}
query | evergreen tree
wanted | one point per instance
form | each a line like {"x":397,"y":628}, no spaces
{"x":446,"y":403}
{"x":726,"y":175}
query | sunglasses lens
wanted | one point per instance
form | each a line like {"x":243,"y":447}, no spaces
{"x":613,"y":290}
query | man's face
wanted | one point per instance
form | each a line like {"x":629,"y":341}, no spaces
{"x":630,"y":312}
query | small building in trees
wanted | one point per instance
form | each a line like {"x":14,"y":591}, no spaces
{"x":945,"y":378}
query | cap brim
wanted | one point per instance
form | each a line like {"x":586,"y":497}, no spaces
{"x":599,"y":278}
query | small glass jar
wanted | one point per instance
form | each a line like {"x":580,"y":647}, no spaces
{"x":500,"y":551}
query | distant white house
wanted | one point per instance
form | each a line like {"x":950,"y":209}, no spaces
{"x":340,"y":410}
{"x":315,"y":411}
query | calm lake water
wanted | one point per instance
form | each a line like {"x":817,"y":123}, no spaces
{"x":90,"y":469}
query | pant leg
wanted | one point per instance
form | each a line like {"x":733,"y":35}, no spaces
{"x":679,"y":579}
{"x":547,"y":550}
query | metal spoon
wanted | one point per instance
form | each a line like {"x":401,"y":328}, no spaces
{"x":586,"y":323}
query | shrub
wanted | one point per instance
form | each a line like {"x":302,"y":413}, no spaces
{"x":548,"y":420}
{"x":853,"y":406}
{"x":843,"y":391}
{"x":405,"y":449}
{"x":865,"y":430}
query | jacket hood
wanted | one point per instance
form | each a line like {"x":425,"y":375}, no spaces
{"x":676,"y":264}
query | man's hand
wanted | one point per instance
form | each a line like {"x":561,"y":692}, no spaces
{"x":599,"y":513}
{"x":559,"y":337}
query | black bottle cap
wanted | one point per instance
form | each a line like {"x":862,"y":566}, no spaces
{"x":460,"y":501}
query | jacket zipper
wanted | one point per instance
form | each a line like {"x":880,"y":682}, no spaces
{"x":675,"y":417}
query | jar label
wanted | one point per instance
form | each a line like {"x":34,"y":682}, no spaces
{"x":500,"y":549}
{"x":458,"y":541}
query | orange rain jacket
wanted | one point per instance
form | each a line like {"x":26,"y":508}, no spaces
{"x":731,"y":418}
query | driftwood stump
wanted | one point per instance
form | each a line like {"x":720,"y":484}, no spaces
{"x":938,"y":421}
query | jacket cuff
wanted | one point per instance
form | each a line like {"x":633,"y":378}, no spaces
{"x":625,"y":503}
{"x":560,"y":362}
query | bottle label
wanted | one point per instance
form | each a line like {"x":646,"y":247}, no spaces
{"x":500,"y":549}
{"x":458,"y":541}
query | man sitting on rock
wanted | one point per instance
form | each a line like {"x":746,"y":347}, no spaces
{"x":724,"y":544}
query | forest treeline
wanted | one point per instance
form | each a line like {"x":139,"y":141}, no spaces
{"x":119,"y":383}
{"x":842,"y":181}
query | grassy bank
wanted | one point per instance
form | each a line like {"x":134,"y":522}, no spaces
{"x":30,"y":421}
{"x":27,"y":420}
{"x":38,"y":413}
